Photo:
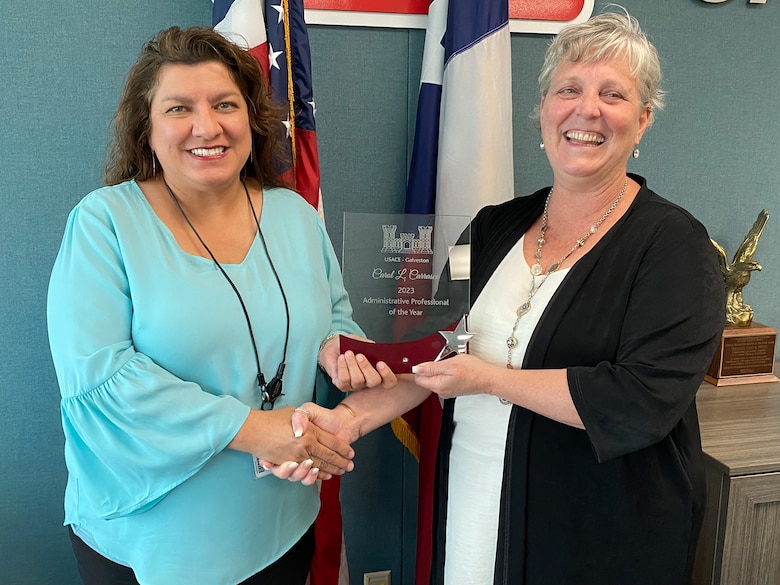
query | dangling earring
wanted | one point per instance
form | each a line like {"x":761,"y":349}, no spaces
{"x":635,"y":154}
{"x":154,"y":164}
{"x":541,"y":145}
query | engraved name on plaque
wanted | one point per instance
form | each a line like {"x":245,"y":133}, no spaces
{"x":407,"y":276}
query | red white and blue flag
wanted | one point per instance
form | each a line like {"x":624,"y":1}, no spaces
{"x":275,"y":33}
{"x":462,"y":157}
{"x":461,"y":161}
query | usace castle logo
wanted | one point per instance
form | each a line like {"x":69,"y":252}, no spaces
{"x":405,"y":243}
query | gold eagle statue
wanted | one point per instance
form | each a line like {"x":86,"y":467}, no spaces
{"x":736,"y":274}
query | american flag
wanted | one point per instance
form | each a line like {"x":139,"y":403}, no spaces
{"x":275,"y":33}
{"x":281,"y":46}
{"x":461,"y":161}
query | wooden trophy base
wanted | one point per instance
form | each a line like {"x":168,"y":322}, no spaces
{"x":746,"y":355}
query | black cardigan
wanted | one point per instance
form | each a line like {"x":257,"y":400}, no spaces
{"x":635,"y":322}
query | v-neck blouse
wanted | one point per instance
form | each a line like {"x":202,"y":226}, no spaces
{"x":157,"y":374}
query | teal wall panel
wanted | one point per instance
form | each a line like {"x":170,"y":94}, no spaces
{"x":713,"y":150}
{"x":361,"y":81}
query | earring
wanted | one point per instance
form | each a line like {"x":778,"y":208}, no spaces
{"x":154,"y":164}
{"x":635,"y":154}
{"x":541,"y":145}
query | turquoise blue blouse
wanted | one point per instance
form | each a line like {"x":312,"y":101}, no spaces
{"x":157,"y":374}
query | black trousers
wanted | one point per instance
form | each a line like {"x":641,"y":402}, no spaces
{"x":291,"y":569}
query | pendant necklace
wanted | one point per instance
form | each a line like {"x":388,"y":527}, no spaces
{"x":269,"y":391}
{"x":536,"y":269}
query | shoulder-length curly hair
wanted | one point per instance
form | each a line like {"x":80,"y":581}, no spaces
{"x":131,"y":157}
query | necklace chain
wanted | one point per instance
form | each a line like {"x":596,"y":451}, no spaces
{"x":536,"y":269}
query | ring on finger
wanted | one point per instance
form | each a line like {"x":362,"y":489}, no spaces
{"x":304,"y":411}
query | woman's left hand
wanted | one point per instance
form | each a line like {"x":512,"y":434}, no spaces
{"x":293,"y":471}
{"x":351,"y":372}
{"x":459,"y":375}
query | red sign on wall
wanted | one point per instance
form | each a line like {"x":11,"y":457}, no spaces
{"x":400,"y":6}
{"x":526,"y":9}
{"x":525,"y":15}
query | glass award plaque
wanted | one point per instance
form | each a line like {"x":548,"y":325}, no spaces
{"x":407,"y":276}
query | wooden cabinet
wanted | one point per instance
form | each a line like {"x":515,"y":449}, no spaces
{"x":740,"y":428}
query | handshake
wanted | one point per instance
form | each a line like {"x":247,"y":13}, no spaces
{"x":333,"y":430}
{"x":318,"y":445}
{"x":311,"y":442}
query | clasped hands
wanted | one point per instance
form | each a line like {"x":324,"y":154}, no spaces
{"x":349,"y":372}
{"x":338,"y":427}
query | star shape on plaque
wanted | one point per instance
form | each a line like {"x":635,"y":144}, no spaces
{"x":455,"y":341}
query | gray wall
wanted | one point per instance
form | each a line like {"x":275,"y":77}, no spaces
{"x":713,"y":150}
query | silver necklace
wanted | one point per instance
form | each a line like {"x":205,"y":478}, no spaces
{"x":536,"y":269}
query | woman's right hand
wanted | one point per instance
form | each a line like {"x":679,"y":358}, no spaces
{"x":339,"y":421}
{"x":266,"y":434}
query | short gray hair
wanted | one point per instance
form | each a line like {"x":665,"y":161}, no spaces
{"x":603,"y":37}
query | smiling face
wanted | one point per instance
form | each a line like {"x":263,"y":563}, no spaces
{"x":199,"y":127}
{"x":591,"y":119}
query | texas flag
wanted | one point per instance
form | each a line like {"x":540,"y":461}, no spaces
{"x":461,"y":161}
{"x":275,"y":33}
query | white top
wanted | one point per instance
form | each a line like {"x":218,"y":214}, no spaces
{"x":480,"y":421}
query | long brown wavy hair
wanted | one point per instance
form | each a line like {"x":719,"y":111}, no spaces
{"x":130,"y":156}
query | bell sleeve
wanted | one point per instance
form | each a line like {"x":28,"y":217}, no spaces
{"x":133,"y":431}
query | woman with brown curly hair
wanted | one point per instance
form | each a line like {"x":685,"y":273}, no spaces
{"x":185,"y":329}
